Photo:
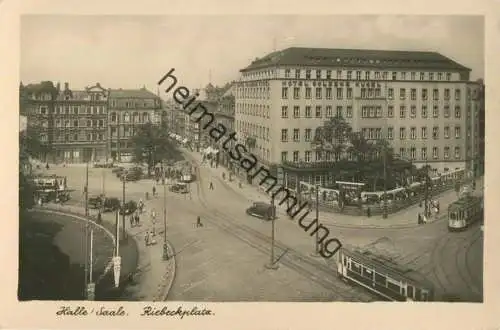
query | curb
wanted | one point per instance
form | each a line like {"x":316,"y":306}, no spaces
{"x":168,"y":277}
{"x":82,"y":218}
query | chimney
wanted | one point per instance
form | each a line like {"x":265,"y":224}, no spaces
{"x":66,"y":86}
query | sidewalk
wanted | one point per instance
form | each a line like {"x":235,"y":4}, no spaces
{"x":403,"y":219}
{"x":153,"y":277}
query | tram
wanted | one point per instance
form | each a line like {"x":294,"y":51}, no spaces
{"x":383,"y":277}
{"x":463,"y":212}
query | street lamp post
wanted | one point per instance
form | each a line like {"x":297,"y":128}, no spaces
{"x":165,"y":246}
{"x":272,"y":264}
{"x":426,"y":192}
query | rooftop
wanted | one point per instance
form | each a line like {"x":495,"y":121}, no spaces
{"x":141,"y":93}
{"x":333,"y":57}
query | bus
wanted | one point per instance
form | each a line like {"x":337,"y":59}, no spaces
{"x":382,"y":276}
{"x":463,"y":212}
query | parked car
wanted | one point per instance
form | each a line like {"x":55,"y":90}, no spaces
{"x":108,"y":204}
{"x":262,"y":210}
{"x":132,"y":174}
{"x":103,"y":164}
{"x":130,"y":207}
{"x":180,"y":188}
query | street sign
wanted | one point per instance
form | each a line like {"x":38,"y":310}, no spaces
{"x":91,"y":291}
{"x":116,"y":269}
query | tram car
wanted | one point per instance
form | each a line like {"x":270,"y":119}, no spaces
{"x":383,"y":277}
{"x":463,"y":212}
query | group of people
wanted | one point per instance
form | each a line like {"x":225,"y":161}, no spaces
{"x":433,"y":207}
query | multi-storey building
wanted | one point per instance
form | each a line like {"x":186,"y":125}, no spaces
{"x":36,"y":102}
{"x":224,"y":115}
{"x":421,"y":102}
{"x":193,"y":131}
{"x":80,"y":124}
{"x":128,"y":108}
{"x":72,"y":123}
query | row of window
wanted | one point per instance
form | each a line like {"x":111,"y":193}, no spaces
{"x":258,"y":110}
{"x":318,"y":112}
{"x":134,"y":118}
{"x":73,"y":110}
{"x":79,"y":137}
{"x":365,"y":93}
{"x":376,"y":133}
{"x":423,"y":94}
{"x":251,"y":129}
{"x":367,"y":111}
{"x":404,"y":152}
{"x":365,"y":75}
{"x":76,"y":123}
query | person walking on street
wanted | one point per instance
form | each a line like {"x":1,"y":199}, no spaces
{"x":99,"y":217}
{"x":146,"y":238}
{"x":132,"y":221}
{"x":211,"y":186}
{"x":154,"y":191}
{"x":137,"y":219}
{"x":198,"y":222}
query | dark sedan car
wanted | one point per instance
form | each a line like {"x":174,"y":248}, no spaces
{"x":262,"y":210}
{"x":180,"y":188}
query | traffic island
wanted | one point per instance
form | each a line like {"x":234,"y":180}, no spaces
{"x":103,"y":276}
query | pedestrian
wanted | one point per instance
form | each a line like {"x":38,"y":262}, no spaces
{"x":368,"y":212}
{"x":223,"y":176}
{"x":137,"y":219}
{"x":419,"y":219}
{"x":211,"y":186}
{"x":99,"y":217}
{"x":198,"y":222}
{"x":147,"y":195}
{"x":132,"y":222}
{"x":146,"y":238}
{"x":47,"y":166}
{"x":154,"y":191}
{"x":437,"y":206}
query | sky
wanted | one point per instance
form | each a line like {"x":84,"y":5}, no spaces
{"x":136,"y":51}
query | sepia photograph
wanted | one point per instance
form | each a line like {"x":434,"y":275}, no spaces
{"x":251,"y":158}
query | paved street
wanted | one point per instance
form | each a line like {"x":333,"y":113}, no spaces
{"x":224,"y":260}
{"x":452,"y":261}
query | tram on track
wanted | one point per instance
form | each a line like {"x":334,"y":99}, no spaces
{"x":383,"y":277}
{"x":463,"y":212}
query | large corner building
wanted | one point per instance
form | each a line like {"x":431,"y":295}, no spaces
{"x":423,"y":103}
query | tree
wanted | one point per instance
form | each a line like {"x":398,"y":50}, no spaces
{"x":151,"y":145}
{"x":333,"y":136}
{"x":29,"y":147}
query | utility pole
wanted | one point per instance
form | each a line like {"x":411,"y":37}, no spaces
{"x":124,"y":178}
{"x":272,"y":264}
{"x":317,"y":247}
{"x":91,"y":284}
{"x":165,"y":246}
{"x":87,"y":189}
{"x":426,"y":193}
{"x":86,"y":270}
{"x":384,"y":155}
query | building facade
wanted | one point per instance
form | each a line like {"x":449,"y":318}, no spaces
{"x":127,"y":109}
{"x":224,"y":115}
{"x":71,"y":122}
{"x":94,"y":124}
{"x":421,"y":102}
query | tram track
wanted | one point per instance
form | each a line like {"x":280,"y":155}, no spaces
{"x":292,"y":259}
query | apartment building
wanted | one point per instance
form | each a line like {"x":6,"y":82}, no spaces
{"x":93,"y":124}
{"x":421,"y":102}
{"x":127,"y":109}
{"x":71,"y":122}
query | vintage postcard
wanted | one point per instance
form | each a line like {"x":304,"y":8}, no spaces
{"x":173,"y":163}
